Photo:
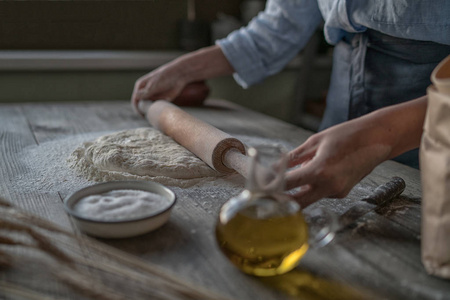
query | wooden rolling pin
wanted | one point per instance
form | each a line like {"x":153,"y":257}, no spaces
{"x":218,"y":149}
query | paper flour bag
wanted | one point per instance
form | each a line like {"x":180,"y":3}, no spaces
{"x":435,"y":175}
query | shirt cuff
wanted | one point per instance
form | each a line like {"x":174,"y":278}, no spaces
{"x":248,"y":68}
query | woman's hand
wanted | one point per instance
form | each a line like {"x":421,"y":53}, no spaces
{"x":332,"y":162}
{"x":165,"y":83}
{"x":182,"y":80}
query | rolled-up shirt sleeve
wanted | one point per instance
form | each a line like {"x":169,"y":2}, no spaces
{"x":271,"y":39}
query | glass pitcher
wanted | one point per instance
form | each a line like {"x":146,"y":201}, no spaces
{"x":262,"y":230}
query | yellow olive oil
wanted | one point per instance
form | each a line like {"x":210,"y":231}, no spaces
{"x":262,"y":237}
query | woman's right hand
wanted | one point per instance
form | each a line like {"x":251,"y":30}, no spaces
{"x":162,"y":83}
{"x":182,"y":80}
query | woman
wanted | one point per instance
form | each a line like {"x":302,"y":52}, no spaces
{"x":384,"y":54}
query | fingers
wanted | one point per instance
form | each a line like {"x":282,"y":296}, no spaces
{"x":317,"y":182}
{"x":151,"y":92}
{"x":143,"y":106}
{"x":152,"y":88}
{"x":306,"y":196}
{"x":302,"y":154}
{"x":136,"y":96}
{"x":310,"y":164}
{"x":295,"y":178}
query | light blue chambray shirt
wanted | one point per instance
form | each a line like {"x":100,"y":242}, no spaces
{"x":276,"y":35}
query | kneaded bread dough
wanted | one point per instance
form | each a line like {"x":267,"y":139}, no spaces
{"x":142,"y":153}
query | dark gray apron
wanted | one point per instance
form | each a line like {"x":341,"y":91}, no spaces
{"x":372,"y":70}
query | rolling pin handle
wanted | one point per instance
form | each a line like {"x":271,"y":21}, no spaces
{"x":204,"y":140}
{"x":143,"y":106}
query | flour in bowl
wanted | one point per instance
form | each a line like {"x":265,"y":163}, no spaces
{"x":120,"y":205}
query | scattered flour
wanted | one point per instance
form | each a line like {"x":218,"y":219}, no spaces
{"x":45,"y":168}
{"x":120,"y":205}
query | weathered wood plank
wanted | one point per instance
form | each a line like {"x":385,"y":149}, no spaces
{"x":15,"y":134}
{"x":58,"y":121}
{"x":379,"y":256}
{"x":51,"y":121}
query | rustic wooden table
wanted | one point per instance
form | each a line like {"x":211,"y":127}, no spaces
{"x":377,"y":257}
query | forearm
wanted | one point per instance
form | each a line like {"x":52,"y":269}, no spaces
{"x":272,"y":39}
{"x":400,"y":126}
{"x":203,"y":64}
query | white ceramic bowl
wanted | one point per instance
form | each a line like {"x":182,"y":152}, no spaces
{"x":121,"y":228}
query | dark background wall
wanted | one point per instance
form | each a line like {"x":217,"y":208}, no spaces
{"x":104,"y":24}
{"x":86,"y":26}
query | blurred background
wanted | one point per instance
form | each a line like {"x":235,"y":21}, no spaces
{"x":95,"y":50}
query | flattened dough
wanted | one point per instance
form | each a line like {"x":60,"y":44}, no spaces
{"x":142,"y":153}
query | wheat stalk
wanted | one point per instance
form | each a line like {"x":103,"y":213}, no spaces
{"x":85,"y":272}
